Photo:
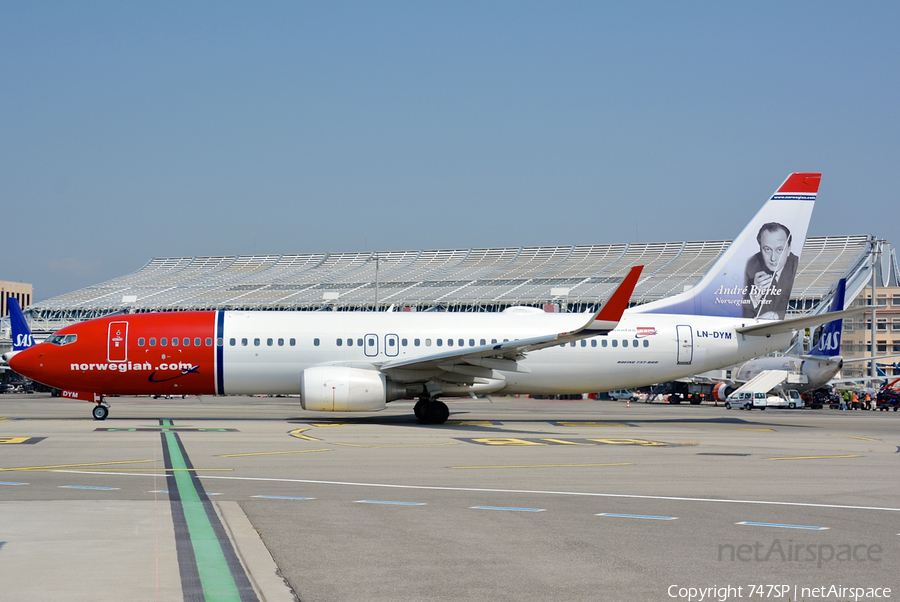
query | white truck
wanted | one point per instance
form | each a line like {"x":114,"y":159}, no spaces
{"x":746,"y":400}
{"x":749,"y":399}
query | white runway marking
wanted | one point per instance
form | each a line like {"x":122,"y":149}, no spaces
{"x":528,"y":491}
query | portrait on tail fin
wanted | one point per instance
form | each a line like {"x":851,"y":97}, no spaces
{"x":769,"y":276}
{"x":754,"y":277}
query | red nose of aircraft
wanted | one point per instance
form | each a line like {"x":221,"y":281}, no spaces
{"x":27,"y":363}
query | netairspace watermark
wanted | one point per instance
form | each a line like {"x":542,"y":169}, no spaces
{"x":790,"y":552}
{"x":760,"y":592}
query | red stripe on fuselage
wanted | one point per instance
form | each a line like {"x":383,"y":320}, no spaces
{"x":172,"y":369}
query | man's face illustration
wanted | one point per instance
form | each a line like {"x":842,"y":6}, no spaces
{"x":773,"y":245}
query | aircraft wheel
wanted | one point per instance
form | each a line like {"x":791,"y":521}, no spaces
{"x":419,"y":409}
{"x":100,"y":412}
{"x":436,"y":412}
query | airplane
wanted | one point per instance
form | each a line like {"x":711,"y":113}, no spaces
{"x":19,"y":330}
{"x":360,"y":361}
{"x":817,"y":368}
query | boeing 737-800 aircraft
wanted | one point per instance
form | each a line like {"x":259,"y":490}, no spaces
{"x":359,"y":361}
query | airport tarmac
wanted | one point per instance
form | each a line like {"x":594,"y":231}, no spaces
{"x":512,"y":499}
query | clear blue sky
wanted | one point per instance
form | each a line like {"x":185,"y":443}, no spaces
{"x":131,"y":130}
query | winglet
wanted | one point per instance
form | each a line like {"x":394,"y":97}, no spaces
{"x":609,"y":315}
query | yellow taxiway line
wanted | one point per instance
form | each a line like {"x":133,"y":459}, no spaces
{"x":546,"y":465}
{"x":815,"y":457}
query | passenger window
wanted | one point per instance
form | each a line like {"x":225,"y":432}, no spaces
{"x":140,"y":341}
{"x":197,"y":342}
{"x":270,"y":342}
{"x":187,"y":342}
{"x":256,"y":342}
{"x":572,"y":344}
{"x":390,"y":342}
{"x":583,"y":343}
{"x":163,"y":342}
{"x":152,"y":341}
{"x":483,"y":342}
{"x":294,"y":342}
{"x":372,"y":343}
{"x":646,"y":343}
{"x":428,"y":342}
{"x":603,"y":343}
{"x":209,"y":341}
{"x":340,"y":342}
{"x":625,"y":343}
{"x":315,"y":342}
{"x":593,"y":342}
{"x":615,"y":343}
{"x":493,"y":341}
{"x":471,"y":342}
{"x":440,"y":343}
{"x":281,"y":342}
{"x":403,"y":342}
{"x":359,"y":342}
{"x":349,"y":342}
{"x":461,"y":342}
{"x":243,"y":342}
{"x":232,"y":342}
{"x":449,"y":342}
{"x":416,"y":342}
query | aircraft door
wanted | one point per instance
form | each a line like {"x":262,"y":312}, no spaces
{"x":371,"y":345}
{"x":685,"y":343}
{"x":117,"y":341}
{"x":391,"y":345}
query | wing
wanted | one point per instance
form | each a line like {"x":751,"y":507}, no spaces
{"x":505,"y":356}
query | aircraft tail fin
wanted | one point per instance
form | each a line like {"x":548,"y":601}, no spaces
{"x":19,"y":330}
{"x":829,"y":344}
{"x":753,"y":278}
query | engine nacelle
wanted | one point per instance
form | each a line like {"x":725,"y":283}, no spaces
{"x":721,"y":391}
{"x":344,"y":389}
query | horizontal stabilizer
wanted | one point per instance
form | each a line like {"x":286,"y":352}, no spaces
{"x":769,"y":328}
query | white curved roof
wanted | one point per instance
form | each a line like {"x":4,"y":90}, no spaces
{"x":490,"y":278}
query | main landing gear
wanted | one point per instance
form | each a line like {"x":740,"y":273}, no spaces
{"x":431,"y":411}
{"x":101,"y":410}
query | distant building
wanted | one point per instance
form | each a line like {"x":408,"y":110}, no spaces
{"x":21,"y":291}
{"x":857,"y":339}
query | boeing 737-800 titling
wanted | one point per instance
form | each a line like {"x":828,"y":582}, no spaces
{"x":360,"y":361}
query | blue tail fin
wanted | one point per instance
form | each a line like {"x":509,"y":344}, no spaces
{"x":754,"y":276}
{"x":829,"y":343}
{"x":21,"y":334}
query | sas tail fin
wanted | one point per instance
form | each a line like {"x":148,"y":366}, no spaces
{"x":19,"y":331}
{"x":829,"y":344}
{"x":754,"y":276}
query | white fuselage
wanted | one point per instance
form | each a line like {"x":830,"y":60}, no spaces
{"x":266,"y":352}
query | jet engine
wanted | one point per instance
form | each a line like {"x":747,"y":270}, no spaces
{"x":345,"y":389}
{"x":721,"y":391}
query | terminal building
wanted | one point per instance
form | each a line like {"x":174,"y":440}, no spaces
{"x":569,"y":278}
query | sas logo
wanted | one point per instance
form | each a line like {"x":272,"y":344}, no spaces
{"x":645,"y":331}
{"x":831,"y":341}
{"x":23,"y":340}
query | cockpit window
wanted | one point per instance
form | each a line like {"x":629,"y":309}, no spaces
{"x":61,"y":339}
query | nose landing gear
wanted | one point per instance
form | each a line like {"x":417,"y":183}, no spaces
{"x":101,"y":410}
